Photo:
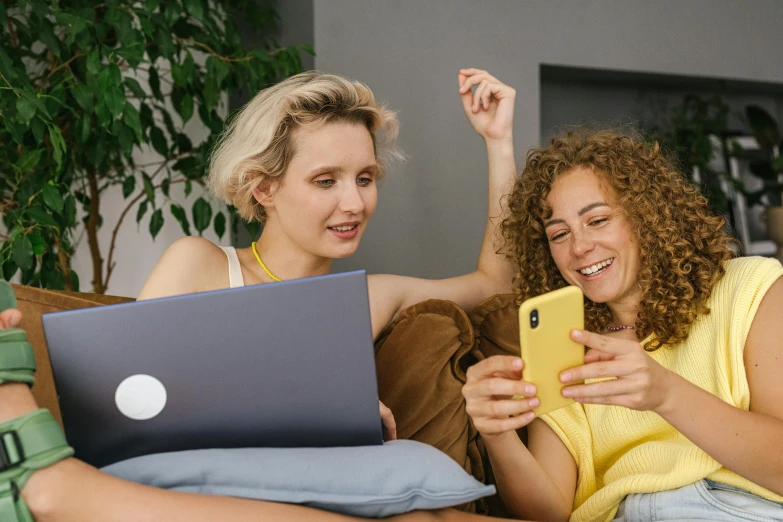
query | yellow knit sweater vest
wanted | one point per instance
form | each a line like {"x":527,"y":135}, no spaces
{"x":619,"y":451}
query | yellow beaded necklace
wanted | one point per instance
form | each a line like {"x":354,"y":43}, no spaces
{"x":272,"y":276}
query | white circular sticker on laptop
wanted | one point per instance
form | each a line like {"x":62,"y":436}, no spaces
{"x":140,"y":397}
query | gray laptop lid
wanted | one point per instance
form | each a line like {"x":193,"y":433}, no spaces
{"x":282,"y":364}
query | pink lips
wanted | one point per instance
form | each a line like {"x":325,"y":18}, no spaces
{"x":347,"y":234}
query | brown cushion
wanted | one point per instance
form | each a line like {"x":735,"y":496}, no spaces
{"x":33,"y":302}
{"x":496,"y":326}
{"x":420,"y":379}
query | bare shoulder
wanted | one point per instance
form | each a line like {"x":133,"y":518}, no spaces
{"x":763,"y":354}
{"x":189,"y":265}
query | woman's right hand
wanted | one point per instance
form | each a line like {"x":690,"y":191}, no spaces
{"x":490,"y":108}
{"x":489,"y":391}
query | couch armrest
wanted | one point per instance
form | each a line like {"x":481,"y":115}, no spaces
{"x":34,"y":302}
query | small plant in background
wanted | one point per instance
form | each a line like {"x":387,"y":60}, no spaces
{"x":691,"y":134}
{"x":766,"y":163}
{"x":86,"y":85}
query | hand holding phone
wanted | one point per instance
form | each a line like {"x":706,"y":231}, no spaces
{"x":545,"y":325}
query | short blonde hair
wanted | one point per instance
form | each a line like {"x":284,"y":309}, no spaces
{"x":257,"y":145}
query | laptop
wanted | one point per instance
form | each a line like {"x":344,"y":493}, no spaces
{"x":286,"y":364}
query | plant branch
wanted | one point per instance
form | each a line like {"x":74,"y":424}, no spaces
{"x":9,"y":84}
{"x":191,"y":41}
{"x":111,"y":263}
{"x":78,"y":54}
{"x":92,"y":234}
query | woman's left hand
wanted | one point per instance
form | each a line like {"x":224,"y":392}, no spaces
{"x":490,"y":108}
{"x":389,"y":424}
{"x":639,"y":383}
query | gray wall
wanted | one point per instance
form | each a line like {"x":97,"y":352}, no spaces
{"x":432,"y":209}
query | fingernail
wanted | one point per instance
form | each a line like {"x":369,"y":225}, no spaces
{"x":567,"y":392}
{"x":530,"y":390}
{"x":576,"y":335}
{"x":565,"y":377}
{"x":517,"y":363}
{"x":534,"y":402}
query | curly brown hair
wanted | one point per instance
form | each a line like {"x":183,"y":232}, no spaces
{"x":683,"y":244}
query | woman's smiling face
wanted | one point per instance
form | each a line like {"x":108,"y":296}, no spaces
{"x":591,"y":239}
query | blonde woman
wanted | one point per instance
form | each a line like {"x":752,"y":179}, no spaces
{"x":303,"y":157}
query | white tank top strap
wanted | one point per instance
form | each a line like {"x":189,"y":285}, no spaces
{"x":235,"y":279}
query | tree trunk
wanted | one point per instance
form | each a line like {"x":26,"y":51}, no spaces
{"x":92,"y":234}
{"x":64,"y":260}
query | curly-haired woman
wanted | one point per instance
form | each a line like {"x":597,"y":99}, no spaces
{"x":680,"y":416}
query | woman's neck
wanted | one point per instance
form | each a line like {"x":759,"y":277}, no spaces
{"x":624,"y":312}
{"x":286,"y":260}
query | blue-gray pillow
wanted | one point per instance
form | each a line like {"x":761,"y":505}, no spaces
{"x":369,"y":481}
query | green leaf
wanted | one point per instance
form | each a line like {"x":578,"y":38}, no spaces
{"x":156,"y":222}
{"x":190,"y":167}
{"x":308,"y":49}
{"x":22,"y":253}
{"x":41,"y":216}
{"x":83,"y":129}
{"x":29,"y":160}
{"x":183,"y":102}
{"x":195,"y":9}
{"x":115,"y":101}
{"x":179,"y":214}
{"x":149,"y":188}
{"x":159,"y":142}
{"x":154,"y":81}
{"x":217,"y":69}
{"x":128,"y":186}
{"x":188,"y":188}
{"x":39,"y":128}
{"x":132,"y":119}
{"x":54,"y":280}
{"x":220,"y":224}
{"x":126,"y":138}
{"x":109,"y":77}
{"x":103,"y":114}
{"x":52,"y":198}
{"x":94,"y":63}
{"x":202,"y":215}
{"x":46,"y":34}
{"x":142,"y":210}
{"x":151,"y":5}
{"x":135,"y":87}
{"x":83,"y":96}
{"x":764,"y":127}
{"x":58,"y":143}
{"x":24,"y":110}
{"x":38,"y":244}
{"x":777,"y":163}
{"x":164,"y":186}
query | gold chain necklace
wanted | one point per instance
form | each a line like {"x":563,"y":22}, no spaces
{"x":272,"y":276}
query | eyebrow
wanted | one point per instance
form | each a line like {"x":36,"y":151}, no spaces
{"x":328,"y":169}
{"x":581,"y":212}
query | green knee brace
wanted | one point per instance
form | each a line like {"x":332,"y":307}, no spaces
{"x":30,"y":442}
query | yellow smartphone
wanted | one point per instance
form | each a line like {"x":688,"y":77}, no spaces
{"x":545,"y":324}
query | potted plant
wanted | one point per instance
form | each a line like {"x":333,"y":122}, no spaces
{"x":86,"y":85}
{"x":767,"y":165}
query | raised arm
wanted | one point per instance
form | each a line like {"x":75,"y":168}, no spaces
{"x":490,"y":110}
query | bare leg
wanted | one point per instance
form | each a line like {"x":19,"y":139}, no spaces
{"x":72,"y":491}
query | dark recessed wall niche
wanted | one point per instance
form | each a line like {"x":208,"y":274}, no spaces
{"x":577,"y":96}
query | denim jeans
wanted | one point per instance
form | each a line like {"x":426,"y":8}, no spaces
{"x":704,"y":500}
